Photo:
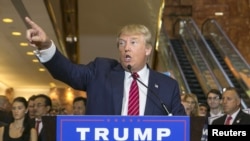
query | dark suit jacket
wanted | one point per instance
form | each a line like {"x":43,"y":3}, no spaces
{"x":103,"y":80}
{"x":41,"y":135}
{"x":241,"y":118}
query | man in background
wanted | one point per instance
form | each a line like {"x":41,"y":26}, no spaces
{"x":231,"y":103}
{"x":42,"y":107}
{"x":5,"y":111}
{"x":214,"y":103}
{"x":79,"y":105}
{"x":31,"y":107}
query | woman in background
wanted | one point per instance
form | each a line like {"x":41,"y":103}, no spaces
{"x":190,"y":103}
{"x":19,"y":129}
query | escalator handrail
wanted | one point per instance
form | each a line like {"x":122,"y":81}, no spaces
{"x":228,"y":40}
{"x":211,"y":53}
{"x":203,"y":59}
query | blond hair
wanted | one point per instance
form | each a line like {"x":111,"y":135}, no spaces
{"x":137,"y":29}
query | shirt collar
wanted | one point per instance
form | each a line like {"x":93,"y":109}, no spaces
{"x":142,"y":72}
{"x":234,"y":114}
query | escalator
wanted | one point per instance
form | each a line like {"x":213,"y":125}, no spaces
{"x":200,"y":63}
{"x":188,"y":71}
{"x":229,"y":72}
{"x":200,"y":74}
{"x":229,"y":58}
{"x":235,"y":66}
{"x":197,"y":70}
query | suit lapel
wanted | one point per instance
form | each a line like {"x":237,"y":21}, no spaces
{"x":238,"y":118}
{"x":152,"y":100}
{"x":117,"y":82}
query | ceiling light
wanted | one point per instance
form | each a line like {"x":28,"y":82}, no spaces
{"x":52,"y":84}
{"x":41,"y":69}
{"x":23,"y":44}
{"x":218,"y":13}
{"x":30,"y":53}
{"x":35,"y":60}
{"x":16,"y":33}
{"x":7,"y":20}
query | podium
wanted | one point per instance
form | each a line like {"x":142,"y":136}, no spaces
{"x":69,"y":127}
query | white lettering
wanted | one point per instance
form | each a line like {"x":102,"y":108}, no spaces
{"x":216,"y":132}
{"x":101,"y":133}
{"x":83,"y":132}
{"x":147,"y":135}
{"x":116,"y":134}
{"x":163,"y":132}
{"x":204,"y":132}
{"x":139,"y":134}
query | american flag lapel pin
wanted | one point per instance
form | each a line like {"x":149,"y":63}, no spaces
{"x":156,"y":86}
{"x":238,"y":121}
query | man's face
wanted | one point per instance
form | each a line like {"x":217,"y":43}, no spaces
{"x":40,"y":107}
{"x":230,"y":102}
{"x":79,"y":108}
{"x":133,"y":51}
{"x":31,"y":108}
{"x":213,"y":101}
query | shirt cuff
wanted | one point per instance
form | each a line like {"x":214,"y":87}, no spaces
{"x":46,"y":54}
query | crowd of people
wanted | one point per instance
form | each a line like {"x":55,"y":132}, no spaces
{"x":23,"y":120}
{"x":219,"y":106}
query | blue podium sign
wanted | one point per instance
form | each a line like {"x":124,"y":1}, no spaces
{"x":123,"y":128}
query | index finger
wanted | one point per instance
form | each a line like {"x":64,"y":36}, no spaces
{"x":31,"y":23}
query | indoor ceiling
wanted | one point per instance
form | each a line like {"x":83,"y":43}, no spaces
{"x":98,"y":23}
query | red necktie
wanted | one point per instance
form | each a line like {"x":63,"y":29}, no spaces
{"x":133,"y":105}
{"x":228,"y":120}
{"x":37,"y":126}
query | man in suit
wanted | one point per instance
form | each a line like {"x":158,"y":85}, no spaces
{"x":42,"y":107}
{"x":31,"y":109}
{"x":214,"y":102}
{"x":231,"y":102}
{"x":107,"y":81}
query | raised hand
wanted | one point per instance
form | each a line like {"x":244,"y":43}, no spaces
{"x":36,"y":35}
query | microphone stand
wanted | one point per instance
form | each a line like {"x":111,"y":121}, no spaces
{"x":162,"y":103}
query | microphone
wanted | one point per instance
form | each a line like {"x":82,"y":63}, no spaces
{"x":156,"y":95}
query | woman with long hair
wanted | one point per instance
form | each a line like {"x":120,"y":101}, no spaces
{"x":19,"y":129}
{"x":190,"y":103}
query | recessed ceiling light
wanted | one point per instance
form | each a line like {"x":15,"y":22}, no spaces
{"x":218,"y":13}
{"x":30,"y":53}
{"x":16,"y":33}
{"x":23,"y":44}
{"x":41,"y":69}
{"x":7,"y":20}
{"x":52,"y":84}
{"x":35,"y":60}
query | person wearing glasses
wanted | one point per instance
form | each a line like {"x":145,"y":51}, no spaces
{"x":233,"y":114}
{"x":42,"y":107}
{"x":214,"y":103}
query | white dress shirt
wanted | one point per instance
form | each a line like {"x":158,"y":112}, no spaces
{"x":143,"y":77}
